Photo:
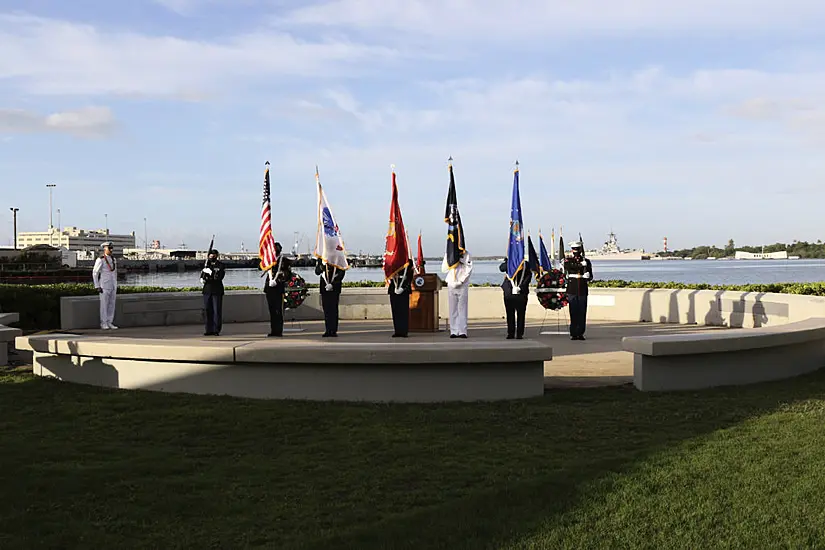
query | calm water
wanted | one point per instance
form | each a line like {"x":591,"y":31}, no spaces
{"x":693,"y":271}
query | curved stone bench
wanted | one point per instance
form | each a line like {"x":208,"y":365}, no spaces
{"x":299,"y":368}
{"x":726,"y":357}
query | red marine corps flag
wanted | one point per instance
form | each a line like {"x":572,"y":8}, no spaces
{"x":397,"y":252}
{"x":266,"y":243}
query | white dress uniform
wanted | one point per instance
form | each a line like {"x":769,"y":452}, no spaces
{"x":458,"y":286}
{"x":104,"y":276}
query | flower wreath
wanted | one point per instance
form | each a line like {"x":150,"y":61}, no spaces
{"x":295,"y":291}
{"x":551,"y":290}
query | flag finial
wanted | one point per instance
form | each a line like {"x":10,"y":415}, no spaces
{"x":450,"y":159}
{"x":516,"y":163}
{"x":267,"y":163}
{"x":392,"y":167}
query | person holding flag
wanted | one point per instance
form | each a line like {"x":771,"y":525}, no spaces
{"x":104,"y":278}
{"x":332,"y":262}
{"x":457,"y":264}
{"x":516,"y":284}
{"x":398,"y":267}
{"x":273,"y":264}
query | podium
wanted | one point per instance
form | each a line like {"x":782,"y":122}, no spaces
{"x":424,"y":303}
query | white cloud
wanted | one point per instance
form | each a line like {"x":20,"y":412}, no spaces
{"x":483,"y":20}
{"x":46,"y":56}
{"x":85,"y":122}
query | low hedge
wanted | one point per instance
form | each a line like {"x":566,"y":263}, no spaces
{"x":39,"y":305}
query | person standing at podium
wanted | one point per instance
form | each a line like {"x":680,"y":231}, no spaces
{"x":398,"y":267}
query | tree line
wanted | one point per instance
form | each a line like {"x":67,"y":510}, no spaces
{"x":803,"y":249}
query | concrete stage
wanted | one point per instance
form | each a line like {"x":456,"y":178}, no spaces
{"x":599,"y":361}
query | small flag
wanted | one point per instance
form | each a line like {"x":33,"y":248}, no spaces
{"x":561,"y":246}
{"x":329,"y":246}
{"x":544,"y":258}
{"x":397,"y":250}
{"x":455,"y":231}
{"x":515,"y":244}
{"x":266,"y":242}
{"x":532,"y":257}
{"x":419,"y":263}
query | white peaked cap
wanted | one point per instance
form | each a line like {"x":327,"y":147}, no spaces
{"x":107,"y":243}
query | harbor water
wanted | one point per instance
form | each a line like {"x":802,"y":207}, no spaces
{"x":714,"y":272}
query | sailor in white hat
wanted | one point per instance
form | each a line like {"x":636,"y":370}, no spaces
{"x":104,"y":276}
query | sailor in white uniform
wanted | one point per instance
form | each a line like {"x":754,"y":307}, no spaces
{"x":458,"y":287}
{"x":104,"y":276}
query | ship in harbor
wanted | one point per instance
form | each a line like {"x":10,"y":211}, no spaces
{"x":611,"y":251}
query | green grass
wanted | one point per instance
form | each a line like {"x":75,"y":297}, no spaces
{"x":605,"y":468}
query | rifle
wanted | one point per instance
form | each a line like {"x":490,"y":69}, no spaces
{"x":206,"y":261}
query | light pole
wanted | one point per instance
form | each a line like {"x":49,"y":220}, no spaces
{"x":50,"y":187}
{"x":145,"y":237}
{"x":14,"y":212}
{"x":107,"y":223}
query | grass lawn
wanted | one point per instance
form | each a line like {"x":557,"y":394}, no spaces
{"x":606,"y":468}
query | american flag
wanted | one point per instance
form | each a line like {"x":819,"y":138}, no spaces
{"x":266,"y":245}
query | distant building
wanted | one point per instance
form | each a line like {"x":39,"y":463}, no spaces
{"x":741,"y":255}
{"x":79,"y":240}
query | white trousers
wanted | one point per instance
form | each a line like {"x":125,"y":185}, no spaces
{"x":107,"y":306}
{"x":457,"y":298}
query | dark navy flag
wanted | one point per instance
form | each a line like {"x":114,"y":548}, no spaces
{"x":515,"y":246}
{"x":544,"y":258}
{"x":455,"y":231}
{"x":561,"y":248}
{"x":532,"y":258}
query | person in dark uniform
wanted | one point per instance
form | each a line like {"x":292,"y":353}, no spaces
{"x":400,"y":301}
{"x":274,"y":290}
{"x":212,"y":279}
{"x":578,"y":271}
{"x":332,"y":280}
{"x":515,"y":303}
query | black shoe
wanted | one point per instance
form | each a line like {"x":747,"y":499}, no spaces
{"x":325,"y":335}
{"x":272,"y":335}
{"x":334,"y":335}
{"x":582,"y":338}
{"x":462,"y":336}
{"x":510,"y":337}
{"x":453,"y":335}
{"x":574,"y":337}
{"x":395,"y":335}
{"x":207,"y":334}
{"x":519,"y":337}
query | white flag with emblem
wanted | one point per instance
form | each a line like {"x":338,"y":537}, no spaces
{"x":329,"y":246}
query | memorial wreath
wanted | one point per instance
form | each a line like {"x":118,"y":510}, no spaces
{"x":295,"y":291}
{"x":551,"y":290}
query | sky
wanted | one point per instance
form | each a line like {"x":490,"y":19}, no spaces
{"x":698,"y":121}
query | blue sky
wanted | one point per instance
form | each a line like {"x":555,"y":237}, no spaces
{"x":699,"y":121}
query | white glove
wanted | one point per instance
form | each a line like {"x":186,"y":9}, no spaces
{"x":399,"y":290}
{"x":329,"y":287}
{"x":516,"y":289}
{"x":207,"y":270}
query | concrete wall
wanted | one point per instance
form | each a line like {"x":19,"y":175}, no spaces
{"x":702,"y":307}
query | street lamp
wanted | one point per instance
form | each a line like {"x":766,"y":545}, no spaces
{"x":50,"y":187}
{"x":14,"y":212}
{"x":107,"y":223}
{"x":145,"y":237}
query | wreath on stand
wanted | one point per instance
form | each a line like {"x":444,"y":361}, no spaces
{"x":295,"y":291}
{"x":551,"y":290}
